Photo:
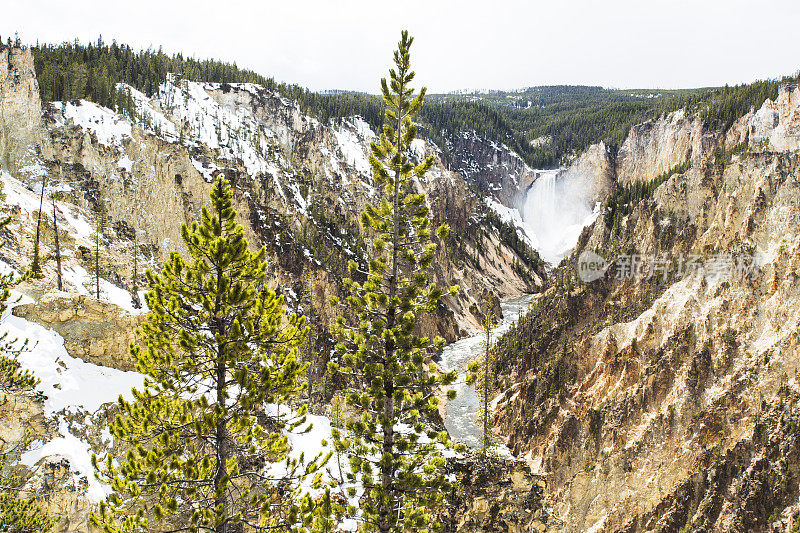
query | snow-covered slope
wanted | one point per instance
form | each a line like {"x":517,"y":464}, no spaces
{"x":73,"y":391}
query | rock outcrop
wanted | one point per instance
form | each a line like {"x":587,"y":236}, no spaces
{"x":19,"y":91}
{"x":654,"y":147}
{"x":638,"y":398}
{"x":775,"y":126}
{"x":97,"y":332}
{"x":22,"y":136}
{"x":493,"y":169}
{"x":592,"y":174}
{"x":497,"y":494}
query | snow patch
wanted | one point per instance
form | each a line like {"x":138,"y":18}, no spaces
{"x":79,"y":455}
{"x":126,"y":164}
{"x":109,"y":128}
{"x":353,"y":138}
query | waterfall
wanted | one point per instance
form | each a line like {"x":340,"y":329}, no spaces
{"x":556,"y":210}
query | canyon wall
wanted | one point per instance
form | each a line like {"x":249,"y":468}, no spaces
{"x":662,"y":395}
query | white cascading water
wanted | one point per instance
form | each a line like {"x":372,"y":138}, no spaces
{"x":555,"y":211}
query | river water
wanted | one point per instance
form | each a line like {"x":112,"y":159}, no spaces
{"x":462,"y":413}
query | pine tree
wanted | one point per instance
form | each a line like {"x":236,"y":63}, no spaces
{"x":392,"y":380}
{"x":326,"y":515}
{"x":481,"y":373}
{"x":217,"y":348}
{"x":309,"y":353}
{"x":12,"y":377}
{"x":17,"y":514}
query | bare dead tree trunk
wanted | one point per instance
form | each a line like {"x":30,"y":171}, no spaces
{"x":97,"y":260}
{"x":36,"y":267}
{"x":58,"y":248}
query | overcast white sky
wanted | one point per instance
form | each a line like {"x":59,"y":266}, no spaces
{"x":347,"y":44}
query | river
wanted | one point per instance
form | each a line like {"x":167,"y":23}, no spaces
{"x":462,"y":413}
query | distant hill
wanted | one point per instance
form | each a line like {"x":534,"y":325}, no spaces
{"x":545,"y":125}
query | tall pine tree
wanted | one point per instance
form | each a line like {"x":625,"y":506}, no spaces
{"x":217,"y":348}
{"x":394,"y":451}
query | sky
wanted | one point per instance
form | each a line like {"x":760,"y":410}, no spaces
{"x":465,"y":44}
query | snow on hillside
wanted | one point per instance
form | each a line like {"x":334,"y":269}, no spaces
{"x":512,"y":216}
{"x":232,"y":131}
{"x":83,"y":282}
{"x":75,"y":389}
{"x":353,"y":138}
{"x":16,"y":193}
{"x":79,"y":455}
{"x":152,"y":120}
{"x":71,"y":387}
{"x":109,"y":128}
{"x":70,"y":384}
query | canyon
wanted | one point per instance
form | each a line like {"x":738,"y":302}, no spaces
{"x":630,"y":403}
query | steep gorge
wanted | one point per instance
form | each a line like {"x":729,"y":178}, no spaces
{"x":640,"y":403}
{"x":660,"y":396}
{"x":133,"y":177}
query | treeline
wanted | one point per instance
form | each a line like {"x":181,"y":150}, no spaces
{"x":71,"y":71}
{"x":730,"y":103}
{"x":556,"y":122}
{"x":325,"y":107}
{"x":570,"y":128}
{"x":440,"y":121}
{"x":544,"y":125}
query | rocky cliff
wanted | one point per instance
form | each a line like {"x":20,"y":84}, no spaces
{"x":300,"y":184}
{"x":23,"y":141}
{"x":123,"y":181}
{"x":659,"y":396}
{"x":493,"y":169}
{"x":775,"y":126}
{"x":655,"y":147}
{"x":592,"y":175}
{"x":93,"y":330}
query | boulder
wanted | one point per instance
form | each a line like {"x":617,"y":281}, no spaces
{"x":97,"y":332}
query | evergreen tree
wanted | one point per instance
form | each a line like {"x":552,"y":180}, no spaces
{"x":309,"y":346}
{"x":217,"y":349}
{"x":393,"y":382}
{"x":137,"y":304}
{"x":481,"y":373}
{"x":17,"y":514}
{"x":12,"y":377}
